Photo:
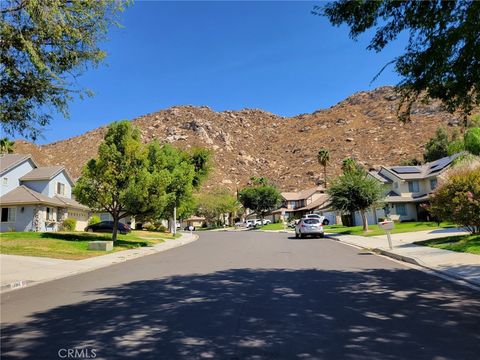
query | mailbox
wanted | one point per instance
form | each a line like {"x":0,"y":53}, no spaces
{"x":386,"y":225}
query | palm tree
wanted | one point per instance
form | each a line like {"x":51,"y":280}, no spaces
{"x":323,"y":158}
{"x":6,"y":146}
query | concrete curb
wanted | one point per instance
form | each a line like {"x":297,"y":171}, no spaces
{"x":410,"y":260}
{"x":117,"y":258}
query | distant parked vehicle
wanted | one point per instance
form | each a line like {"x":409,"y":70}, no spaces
{"x":189,"y":228}
{"x":322,"y":218}
{"x":253,"y":223}
{"x":307,"y":227}
{"x":107,"y":227}
{"x":266,"y":222}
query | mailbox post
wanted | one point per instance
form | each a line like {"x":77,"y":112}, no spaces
{"x":387,"y":225}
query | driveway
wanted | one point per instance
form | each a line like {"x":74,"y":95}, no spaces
{"x":246,"y":295}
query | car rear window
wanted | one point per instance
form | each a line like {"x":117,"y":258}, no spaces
{"x":311,"y":221}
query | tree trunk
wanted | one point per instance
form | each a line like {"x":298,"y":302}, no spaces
{"x":115,"y":227}
{"x":325,"y":176}
{"x":364,"y":220}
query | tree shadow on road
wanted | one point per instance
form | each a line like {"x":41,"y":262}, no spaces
{"x":262,"y":314}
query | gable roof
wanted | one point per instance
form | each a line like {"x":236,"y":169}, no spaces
{"x":301,"y":195}
{"x":42,"y":173}
{"x":420,"y":171}
{"x":71,"y":203}
{"x":320,"y":203}
{"x":9,"y":161}
{"x":22,"y":195}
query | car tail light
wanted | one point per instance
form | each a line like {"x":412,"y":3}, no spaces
{"x":302,"y":225}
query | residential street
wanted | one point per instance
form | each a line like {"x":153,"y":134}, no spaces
{"x":246,"y":295}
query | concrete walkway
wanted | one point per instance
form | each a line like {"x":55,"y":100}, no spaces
{"x":459,"y":265}
{"x":20,"y":271}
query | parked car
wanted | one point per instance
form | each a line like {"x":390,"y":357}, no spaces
{"x":253,"y":222}
{"x":107,"y":227}
{"x":189,"y":228}
{"x":309,"y":226}
{"x":292,"y":223}
{"x":322,"y":218}
{"x":266,"y":222}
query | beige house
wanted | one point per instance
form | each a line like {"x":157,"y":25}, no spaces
{"x":298,"y":203}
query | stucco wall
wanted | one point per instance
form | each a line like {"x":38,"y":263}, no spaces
{"x":13,"y":175}
{"x":23,"y":220}
{"x":52,"y":188}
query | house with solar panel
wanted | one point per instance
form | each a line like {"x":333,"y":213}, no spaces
{"x":408,"y":188}
{"x":35,"y":198}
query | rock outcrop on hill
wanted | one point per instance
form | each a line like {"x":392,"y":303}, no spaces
{"x":254,"y":142}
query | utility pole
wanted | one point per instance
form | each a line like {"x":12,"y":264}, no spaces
{"x":174,"y":220}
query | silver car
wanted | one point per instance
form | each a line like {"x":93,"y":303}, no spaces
{"x":311,"y":227}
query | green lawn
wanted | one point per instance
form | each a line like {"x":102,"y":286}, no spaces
{"x":276,"y":226}
{"x":374,"y":230}
{"x":72,"y":245}
{"x":463,"y":243}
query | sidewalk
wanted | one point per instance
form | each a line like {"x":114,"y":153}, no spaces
{"x":459,"y":265}
{"x":20,"y":271}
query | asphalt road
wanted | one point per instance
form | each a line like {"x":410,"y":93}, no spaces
{"x":247,"y":295}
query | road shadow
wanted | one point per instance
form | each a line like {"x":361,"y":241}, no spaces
{"x":262,"y":314}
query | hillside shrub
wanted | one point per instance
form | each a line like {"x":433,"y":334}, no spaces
{"x":162,"y":228}
{"x":69,"y":224}
{"x":472,"y":141}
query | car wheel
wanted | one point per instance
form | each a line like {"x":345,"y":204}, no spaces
{"x":302,"y":236}
{"x":90,"y":230}
{"x":296,"y":235}
{"x":322,"y":235}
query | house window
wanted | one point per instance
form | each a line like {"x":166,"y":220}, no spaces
{"x":401,"y":209}
{"x":395,"y":185}
{"x":8,"y":215}
{"x":4,"y":181}
{"x":413,"y":186}
{"x":49,"y":213}
{"x":60,"y":188}
{"x":433,"y":184}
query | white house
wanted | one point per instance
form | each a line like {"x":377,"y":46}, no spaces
{"x":34,"y":198}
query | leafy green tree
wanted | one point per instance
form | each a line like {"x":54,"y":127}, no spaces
{"x":323,"y":158}
{"x":355,"y":191}
{"x":441,"y":57}
{"x":6,"y":146}
{"x":44,"y":46}
{"x":260,"y":198}
{"x":411,"y":162}
{"x":213,"y":204}
{"x":455,"y":147}
{"x":349,"y":164}
{"x":94,"y":220}
{"x":458,"y":199}
{"x":472,"y":140}
{"x":437,"y":147}
{"x":201,"y":158}
{"x":118,"y":180}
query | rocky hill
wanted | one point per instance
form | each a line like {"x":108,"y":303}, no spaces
{"x":254,"y":142}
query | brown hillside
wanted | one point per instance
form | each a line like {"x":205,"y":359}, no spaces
{"x":255,"y":142}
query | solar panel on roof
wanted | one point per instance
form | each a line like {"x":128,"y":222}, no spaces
{"x":406,"y":170}
{"x":440,"y":164}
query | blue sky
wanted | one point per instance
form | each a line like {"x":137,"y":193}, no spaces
{"x":274,"y":56}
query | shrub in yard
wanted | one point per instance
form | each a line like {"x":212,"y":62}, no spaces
{"x":162,"y":228}
{"x":69,"y":224}
{"x":94,"y":220}
{"x":149,"y":227}
{"x":457,"y":199}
